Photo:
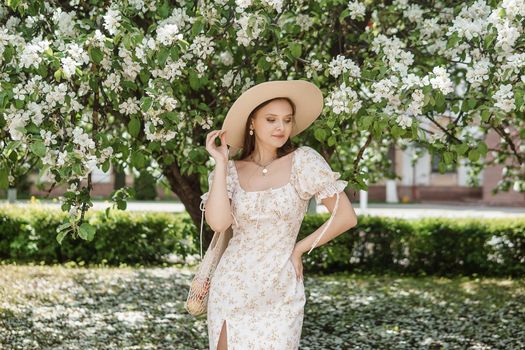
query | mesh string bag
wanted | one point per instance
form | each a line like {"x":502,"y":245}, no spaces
{"x":197,"y":301}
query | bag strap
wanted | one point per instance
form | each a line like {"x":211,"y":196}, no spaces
{"x":203,"y":209}
{"x":328,"y":223}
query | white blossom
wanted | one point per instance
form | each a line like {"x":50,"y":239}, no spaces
{"x":168,"y":34}
{"x":413,"y":13}
{"x":48,"y":137}
{"x":340,"y":65}
{"x":112,"y":21}
{"x":130,"y":106}
{"x":275,"y":4}
{"x":31,"y":55}
{"x":357,"y":9}
{"x":82,"y":139}
{"x":226,"y":58}
{"x":479,"y":72}
{"x":513,"y":8}
{"x":404,"y":121}
{"x":304,"y":21}
{"x":440,"y":80}
{"x":343,"y":100}
{"x":112,"y":82}
{"x":242,"y":5}
{"x":247,"y":32}
{"x":504,"y":98}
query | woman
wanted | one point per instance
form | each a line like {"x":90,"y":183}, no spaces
{"x":256,"y":297}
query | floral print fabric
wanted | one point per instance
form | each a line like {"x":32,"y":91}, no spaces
{"x":254,"y":287}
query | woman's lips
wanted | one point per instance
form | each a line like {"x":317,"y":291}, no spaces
{"x":279,"y":137}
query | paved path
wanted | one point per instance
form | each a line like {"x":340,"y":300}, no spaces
{"x":408,"y":211}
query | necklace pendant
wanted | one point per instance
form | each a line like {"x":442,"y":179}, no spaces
{"x":265,"y":171}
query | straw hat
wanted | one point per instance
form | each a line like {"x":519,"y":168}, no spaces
{"x":307,"y":98}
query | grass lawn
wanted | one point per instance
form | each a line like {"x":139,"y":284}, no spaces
{"x":59,"y":307}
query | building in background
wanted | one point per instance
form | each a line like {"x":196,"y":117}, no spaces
{"x":421,"y":182}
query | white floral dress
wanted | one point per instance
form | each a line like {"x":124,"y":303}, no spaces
{"x":254,"y":287}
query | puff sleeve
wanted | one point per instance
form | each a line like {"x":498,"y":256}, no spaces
{"x":316,"y":178}
{"x":229,"y":184}
{"x":204,"y":198}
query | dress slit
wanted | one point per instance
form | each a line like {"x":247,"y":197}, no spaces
{"x":224,"y":325}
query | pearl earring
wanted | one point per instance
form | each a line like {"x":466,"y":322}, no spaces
{"x":251,"y":131}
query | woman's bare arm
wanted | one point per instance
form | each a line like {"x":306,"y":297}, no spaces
{"x":218,"y":207}
{"x":343,"y":220}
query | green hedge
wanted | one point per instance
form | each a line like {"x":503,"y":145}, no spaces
{"x":29,"y":235}
{"x":434,"y":246}
{"x":428,"y":246}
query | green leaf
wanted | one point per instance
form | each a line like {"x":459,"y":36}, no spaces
{"x":87,"y":231}
{"x":194,"y":80}
{"x":105,"y":166}
{"x":442,"y":167}
{"x":39,"y":148}
{"x":138,"y":159}
{"x":93,"y":83}
{"x":397,"y":131}
{"x":366,"y":121}
{"x":4,"y":177}
{"x":77,"y":169}
{"x":134,"y":127}
{"x":426,"y":100}
{"x":144,"y":77}
{"x":197,"y":27}
{"x":453,"y":40}
{"x":343,"y":15}
{"x":518,"y":98}
{"x":63,"y":226}
{"x":320,"y":134}
{"x":473,"y":155}
{"x":164,"y":10}
{"x":485,"y":115}
{"x":60,"y":237}
{"x":482,"y":148}
{"x":440,"y":99}
{"x":262,"y":63}
{"x":58,"y":74}
{"x":121,"y":205}
{"x":487,"y":41}
{"x":162,"y":56}
{"x":295,"y":49}
{"x":96,"y":55}
{"x":448,"y":157}
{"x":154,"y":146}
{"x":462,"y":148}
{"x":146,"y":104}
{"x":8,"y":54}
{"x":472,"y":103}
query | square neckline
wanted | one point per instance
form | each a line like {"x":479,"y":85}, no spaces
{"x":289,"y":182}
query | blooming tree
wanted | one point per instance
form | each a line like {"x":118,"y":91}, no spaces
{"x":139,"y":83}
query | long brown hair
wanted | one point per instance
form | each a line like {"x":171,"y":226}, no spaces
{"x":249,"y":140}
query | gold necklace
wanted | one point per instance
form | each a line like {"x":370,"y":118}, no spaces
{"x":265,"y":170}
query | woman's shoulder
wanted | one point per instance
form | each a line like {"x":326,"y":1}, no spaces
{"x":306,"y":154}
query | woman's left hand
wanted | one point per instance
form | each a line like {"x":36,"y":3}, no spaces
{"x":297,"y":261}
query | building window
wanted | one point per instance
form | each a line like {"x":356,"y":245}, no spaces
{"x":435,"y":165}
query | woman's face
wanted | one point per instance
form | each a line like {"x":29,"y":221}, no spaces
{"x":273,"y":123}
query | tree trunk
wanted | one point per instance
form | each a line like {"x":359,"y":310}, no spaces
{"x":120,"y":179}
{"x":187,"y":188}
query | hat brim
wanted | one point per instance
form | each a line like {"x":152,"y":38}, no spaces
{"x":307,"y":97}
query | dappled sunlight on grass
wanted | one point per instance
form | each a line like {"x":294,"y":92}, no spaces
{"x":58,"y":307}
